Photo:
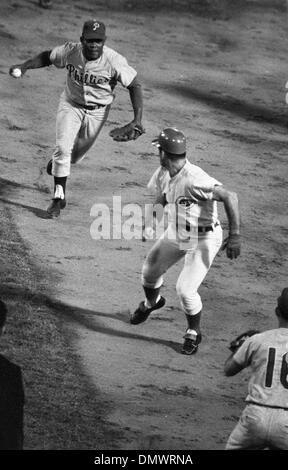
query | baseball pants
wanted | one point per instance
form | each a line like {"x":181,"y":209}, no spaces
{"x":197,"y":261}
{"x":76,"y":131}
{"x":260,"y":427}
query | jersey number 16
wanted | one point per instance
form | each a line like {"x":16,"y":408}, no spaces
{"x":270,"y":369}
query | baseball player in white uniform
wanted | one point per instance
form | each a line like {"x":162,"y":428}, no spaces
{"x":93,"y":70}
{"x":194,"y":233}
{"x":264,"y":421}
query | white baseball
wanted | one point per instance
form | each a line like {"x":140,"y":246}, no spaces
{"x":16,"y":73}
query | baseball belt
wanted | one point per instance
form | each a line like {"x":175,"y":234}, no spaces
{"x":93,"y":106}
{"x":208,"y":228}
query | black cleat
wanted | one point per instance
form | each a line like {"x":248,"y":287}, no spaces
{"x":55,"y":206}
{"x":190,"y":345}
{"x":62,"y":203}
{"x":142,"y":313}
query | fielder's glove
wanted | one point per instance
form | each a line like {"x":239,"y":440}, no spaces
{"x":237,"y":342}
{"x":129,"y":132}
{"x":232,"y":244}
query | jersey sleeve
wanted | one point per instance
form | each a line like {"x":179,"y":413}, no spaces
{"x":201,"y":188}
{"x":59,"y":54}
{"x":124,"y":73}
{"x":243,"y":355}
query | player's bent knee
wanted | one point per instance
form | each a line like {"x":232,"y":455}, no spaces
{"x":190,"y":301}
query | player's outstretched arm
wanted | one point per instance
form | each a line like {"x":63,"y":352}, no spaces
{"x":136,"y":97}
{"x":133,"y":129}
{"x":230,"y":201}
{"x":37,"y":62}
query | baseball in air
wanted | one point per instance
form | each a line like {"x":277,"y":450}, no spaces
{"x":16,"y":73}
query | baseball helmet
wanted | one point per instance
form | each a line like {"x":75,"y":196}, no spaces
{"x":171,"y":140}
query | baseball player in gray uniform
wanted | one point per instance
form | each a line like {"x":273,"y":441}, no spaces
{"x":264,"y":421}
{"x":93,"y":70}
{"x":189,"y":195}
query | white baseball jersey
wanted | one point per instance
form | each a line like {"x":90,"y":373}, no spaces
{"x":188,"y":194}
{"x":267,"y":354}
{"x":93,"y":81}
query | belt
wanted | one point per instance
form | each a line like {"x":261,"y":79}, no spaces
{"x":93,"y":106}
{"x":266,"y":406}
{"x":208,"y":228}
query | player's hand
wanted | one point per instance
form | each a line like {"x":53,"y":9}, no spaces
{"x":147,"y":234}
{"x":232,"y":245}
{"x":17,"y":66}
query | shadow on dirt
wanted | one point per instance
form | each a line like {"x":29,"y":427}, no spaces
{"x":40,"y":213}
{"x":230,"y":104}
{"x":83,"y":317}
{"x":7,"y":187}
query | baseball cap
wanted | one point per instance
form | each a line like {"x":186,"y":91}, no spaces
{"x":94,"y":29}
{"x":171,"y":140}
{"x":283,"y":302}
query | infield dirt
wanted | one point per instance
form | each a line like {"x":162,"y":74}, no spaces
{"x":219,"y":75}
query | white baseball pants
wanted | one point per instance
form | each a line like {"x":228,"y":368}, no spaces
{"x":76,"y":131}
{"x":260,"y":427}
{"x":197,"y":261}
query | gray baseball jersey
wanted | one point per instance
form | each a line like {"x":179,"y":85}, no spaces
{"x":267,"y":354}
{"x":92,"y":82}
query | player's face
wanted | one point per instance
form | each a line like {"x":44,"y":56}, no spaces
{"x":92,"y":48}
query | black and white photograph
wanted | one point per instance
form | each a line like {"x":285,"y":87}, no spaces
{"x":144,"y":228}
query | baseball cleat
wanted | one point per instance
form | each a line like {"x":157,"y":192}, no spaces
{"x":49,"y":167}
{"x":55,"y":206}
{"x":190,"y":345}
{"x":142,"y":313}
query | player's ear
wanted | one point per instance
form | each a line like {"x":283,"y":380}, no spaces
{"x":81,"y":39}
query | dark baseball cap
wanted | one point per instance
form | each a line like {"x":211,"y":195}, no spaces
{"x":283,"y":302}
{"x":94,"y":29}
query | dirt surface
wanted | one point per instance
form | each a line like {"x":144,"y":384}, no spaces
{"x":219,"y":75}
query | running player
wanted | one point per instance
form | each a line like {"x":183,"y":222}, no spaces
{"x":93,"y":71}
{"x":194,"y":233}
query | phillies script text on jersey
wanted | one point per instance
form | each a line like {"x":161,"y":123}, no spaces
{"x":85,"y":78}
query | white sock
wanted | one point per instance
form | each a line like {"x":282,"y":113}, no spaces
{"x":59,"y":193}
{"x":191,"y":332}
{"x":147,"y":303}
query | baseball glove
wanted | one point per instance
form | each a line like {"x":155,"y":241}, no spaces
{"x":237,"y":342}
{"x":129,"y":132}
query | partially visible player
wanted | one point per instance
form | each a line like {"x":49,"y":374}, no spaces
{"x":194,"y":233}
{"x":93,"y":70}
{"x":12,"y":398}
{"x":264,"y":420}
